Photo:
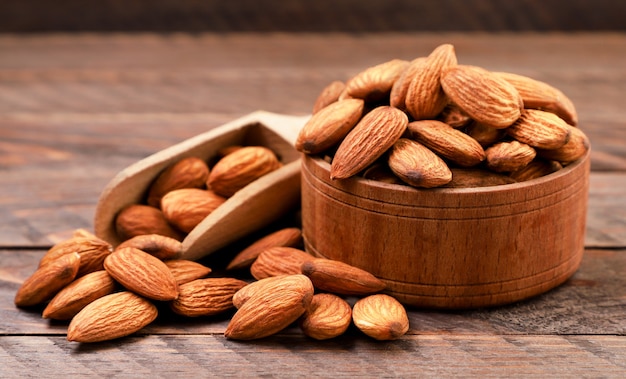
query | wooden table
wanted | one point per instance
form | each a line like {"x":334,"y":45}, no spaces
{"x":75,"y":110}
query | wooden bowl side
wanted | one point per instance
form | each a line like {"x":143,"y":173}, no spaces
{"x":451,"y":248}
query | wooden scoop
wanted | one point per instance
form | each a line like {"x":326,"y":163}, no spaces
{"x":251,"y":208}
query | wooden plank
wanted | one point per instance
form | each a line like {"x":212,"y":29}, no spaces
{"x":282,"y":356}
{"x":592,"y":302}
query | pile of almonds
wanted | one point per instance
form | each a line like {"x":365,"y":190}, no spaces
{"x":109,"y":293}
{"x":188,"y":191}
{"x":432,"y":122}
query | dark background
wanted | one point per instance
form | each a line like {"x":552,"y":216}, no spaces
{"x":32,"y":16}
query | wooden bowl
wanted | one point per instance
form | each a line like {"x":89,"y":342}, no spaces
{"x":450,"y":248}
{"x":251,"y":208}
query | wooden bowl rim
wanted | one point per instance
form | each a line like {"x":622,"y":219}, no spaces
{"x":356,"y":183}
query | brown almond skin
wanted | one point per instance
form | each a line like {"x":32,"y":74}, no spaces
{"x":328,"y":316}
{"x":476,"y":178}
{"x":540,"y":95}
{"x":509,"y":156}
{"x":483,"y":96}
{"x":76,"y":295}
{"x":447,"y":142}
{"x":279,"y":260}
{"x":374,"y":83}
{"x":185,"y":208}
{"x":206,"y":297}
{"x":48,"y":280}
{"x":240,"y":168}
{"x":329,"y":126}
{"x":341,"y":278}
{"x":454,"y":116}
{"x":112,"y":316}
{"x":185,"y":271}
{"x":485,"y":135}
{"x":161,"y":247}
{"x":381,"y":317}
{"x":425,"y":98}
{"x":575,"y":148}
{"x":400,"y":87}
{"x":539,"y":129}
{"x":287,"y":237}
{"x":142,"y":273}
{"x":137,"y":219}
{"x":417,"y":165}
{"x":537,"y":168}
{"x":368,"y":140}
{"x":328,"y":95}
{"x":92,"y":253}
{"x":191,"y":172}
{"x":254,"y":288}
{"x":269,"y":311}
{"x":381,"y":173}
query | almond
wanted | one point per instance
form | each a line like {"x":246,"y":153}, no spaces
{"x":137,"y":219}
{"x":485,"y":135}
{"x":368,"y":140}
{"x":258,"y":287}
{"x":113,"y":316}
{"x":381,"y":173}
{"x":381,"y":317}
{"x":186,"y":208}
{"x":206,"y":297}
{"x":447,"y":142}
{"x":161,"y":247}
{"x":341,"y":278}
{"x":329,"y":95}
{"x":574,"y":148}
{"x":240,"y":168}
{"x":75,"y":296}
{"x":417,"y":165}
{"x":287,"y":237}
{"x":92,"y":253}
{"x":279,"y":260}
{"x":48,"y":280}
{"x":509,"y":156}
{"x":484,"y":96}
{"x":189,"y":172}
{"x":539,"y":95}
{"x":536,"y":169}
{"x":539,"y":129}
{"x":425,"y":98}
{"x":270,"y":310}
{"x":142,"y":273}
{"x":454,"y":116}
{"x":400,"y":87}
{"x":327,"y":316}
{"x":329,"y":126}
{"x":374,"y":83}
{"x":185,"y":271}
{"x":476,"y":177}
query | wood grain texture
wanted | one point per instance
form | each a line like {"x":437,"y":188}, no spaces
{"x":442,"y":356}
{"x":76,"y":110}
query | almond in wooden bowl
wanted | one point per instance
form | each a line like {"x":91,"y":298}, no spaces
{"x":450,"y":248}
{"x":248,"y":209}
